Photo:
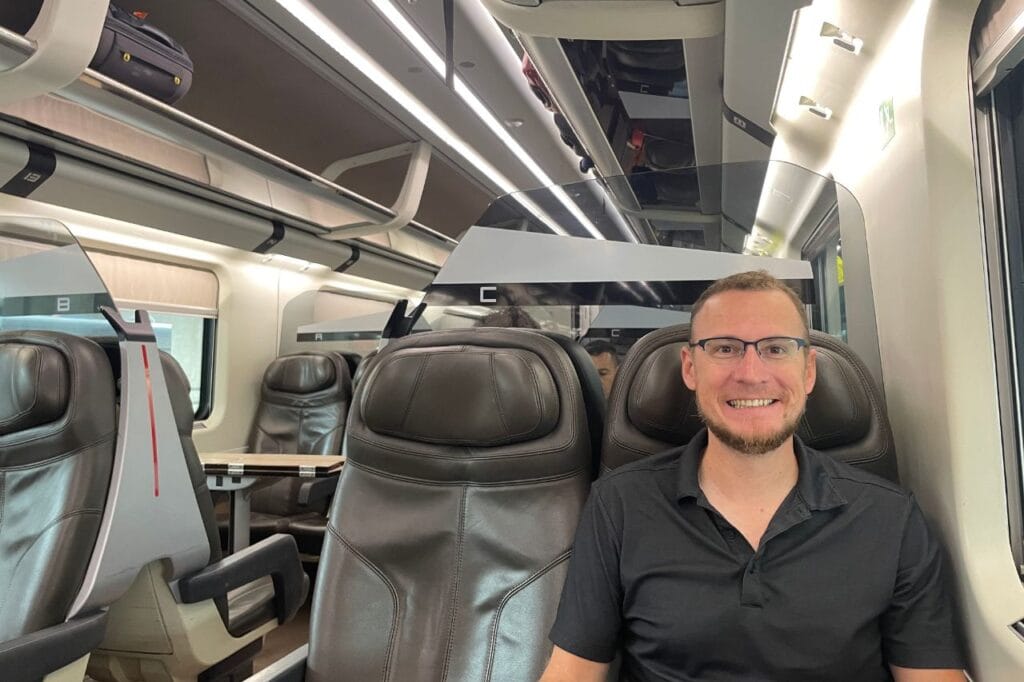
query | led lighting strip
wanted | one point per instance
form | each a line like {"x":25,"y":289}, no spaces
{"x":340,"y":43}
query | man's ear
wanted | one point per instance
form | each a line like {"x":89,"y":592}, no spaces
{"x":810,"y":371}
{"x":689,"y":372}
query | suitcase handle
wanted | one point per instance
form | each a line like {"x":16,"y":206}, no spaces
{"x":145,"y":27}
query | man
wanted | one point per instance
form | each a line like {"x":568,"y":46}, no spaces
{"x":606,"y":359}
{"x":745,"y":555}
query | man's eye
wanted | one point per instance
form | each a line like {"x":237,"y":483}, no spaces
{"x":776,"y":349}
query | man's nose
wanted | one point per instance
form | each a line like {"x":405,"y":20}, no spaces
{"x":751,"y":366}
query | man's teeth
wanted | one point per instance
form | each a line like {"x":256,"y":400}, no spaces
{"x":751,"y":403}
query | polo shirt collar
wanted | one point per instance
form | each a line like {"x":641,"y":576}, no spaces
{"x":814,"y":484}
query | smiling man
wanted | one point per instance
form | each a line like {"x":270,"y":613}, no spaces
{"x":746,"y":555}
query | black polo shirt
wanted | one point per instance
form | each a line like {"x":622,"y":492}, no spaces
{"x":846,"y":581}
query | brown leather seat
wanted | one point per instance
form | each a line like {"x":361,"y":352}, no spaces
{"x":303,"y":408}
{"x":57,"y":438}
{"x":448,"y":540}
{"x":650,"y":410}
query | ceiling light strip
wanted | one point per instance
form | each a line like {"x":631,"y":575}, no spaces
{"x":340,"y":43}
{"x":412,"y":35}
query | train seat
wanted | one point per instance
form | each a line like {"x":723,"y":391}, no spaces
{"x":650,"y":410}
{"x":593,"y":393}
{"x":151,"y":635}
{"x":304,"y":403}
{"x":449,"y":537}
{"x":57,"y":439}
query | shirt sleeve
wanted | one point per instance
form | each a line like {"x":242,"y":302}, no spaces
{"x":917,"y":628}
{"x":589,"y":615}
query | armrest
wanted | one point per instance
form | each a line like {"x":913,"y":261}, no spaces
{"x":34,"y":656}
{"x":276,"y":556}
{"x":290,"y":668}
{"x":317,"y":490}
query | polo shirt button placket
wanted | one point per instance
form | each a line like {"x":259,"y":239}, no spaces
{"x":751,"y":588}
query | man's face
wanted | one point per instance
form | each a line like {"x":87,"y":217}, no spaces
{"x":722,"y":387}
{"x":607,"y":366}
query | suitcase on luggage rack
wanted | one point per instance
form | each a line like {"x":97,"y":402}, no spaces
{"x":133,"y":52}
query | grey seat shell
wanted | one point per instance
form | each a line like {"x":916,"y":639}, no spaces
{"x":651,"y":410}
{"x":450,"y":532}
{"x":57,"y":437}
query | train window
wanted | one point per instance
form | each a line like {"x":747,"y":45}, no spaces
{"x":182,"y":303}
{"x":1001,"y":149}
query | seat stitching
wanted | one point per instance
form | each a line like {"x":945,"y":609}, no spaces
{"x":460,"y":546}
{"x":497,"y":399}
{"x":35,"y":394}
{"x":495,"y":621}
{"x":88,"y":511}
{"x":71,"y":453}
{"x":472,"y":484}
{"x":385,"y":674}
{"x":412,"y":393}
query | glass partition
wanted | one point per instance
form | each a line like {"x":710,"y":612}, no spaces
{"x":46,"y":280}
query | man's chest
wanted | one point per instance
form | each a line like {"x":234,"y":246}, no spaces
{"x":695,"y":593}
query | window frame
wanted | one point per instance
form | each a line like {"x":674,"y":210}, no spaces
{"x":1001,"y":192}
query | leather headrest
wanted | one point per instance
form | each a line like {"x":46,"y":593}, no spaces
{"x":56,"y":394}
{"x":35,"y":385}
{"x":301,"y":373}
{"x":651,"y":409}
{"x":483,"y":405}
{"x":178,"y":389}
{"x":462,"y":395}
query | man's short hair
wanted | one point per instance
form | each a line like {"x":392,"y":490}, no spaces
{"x":512,"y":316}
{"x":755,"y":280}
{"x":596,"y":348}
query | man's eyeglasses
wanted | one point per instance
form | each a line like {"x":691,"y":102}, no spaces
{"x":772,"y":348}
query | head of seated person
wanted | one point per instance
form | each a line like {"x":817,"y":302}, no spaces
{"x":509,"y":317}
{"x":605,"y":357}
{"x":677,"y":551}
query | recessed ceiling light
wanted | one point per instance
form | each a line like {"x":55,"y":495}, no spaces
{"x":467,"y":64}
{"x":514,"y":122}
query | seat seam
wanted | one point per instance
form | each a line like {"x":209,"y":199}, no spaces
{"x":472,"y":484}
{"x":385,"y":674}
{"x":497,"y":398}
{"x":460,"y":546}
{"x":88,"y":511}
{"x":496,"y":620}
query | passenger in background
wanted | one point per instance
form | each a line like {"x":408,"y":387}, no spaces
{"x":606,"y":360}
{"x":511,"y":316}
{"x":745,"y":555}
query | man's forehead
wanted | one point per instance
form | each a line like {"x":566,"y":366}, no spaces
{"x":735,"y":310}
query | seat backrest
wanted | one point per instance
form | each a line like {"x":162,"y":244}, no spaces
{"x":450,"y":532}
{"x":651,"y":410}
{"x":593,"y":392}
{"x":304,"y":404}
{"x":184,"y":419}
{"x":57,"y":438}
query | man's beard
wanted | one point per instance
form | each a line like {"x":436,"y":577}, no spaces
{"x":755,"y":445}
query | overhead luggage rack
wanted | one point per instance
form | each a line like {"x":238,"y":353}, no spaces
{"x":124,"y":128}
{"x":629,"y":104}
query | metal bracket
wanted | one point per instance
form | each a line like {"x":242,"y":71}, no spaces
{"x":65,"y":34}
{"x":408,"y":201}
